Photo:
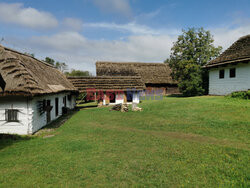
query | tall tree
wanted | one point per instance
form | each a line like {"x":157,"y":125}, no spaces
{"x":193,"y":49}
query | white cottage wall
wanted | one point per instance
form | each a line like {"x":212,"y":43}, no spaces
{"x":22,"y":126}
{"x":228,"y":85}
{"x":119,"y":98}
{"x":136,"y":97}
{"x":29,"y":117}
{"x":40,"y":121}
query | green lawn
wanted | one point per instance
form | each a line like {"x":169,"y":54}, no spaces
{"x":199,"y":141}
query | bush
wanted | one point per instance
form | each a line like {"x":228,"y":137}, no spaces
{"x":241,"y":94}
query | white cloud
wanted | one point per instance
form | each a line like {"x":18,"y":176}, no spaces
{"x":81,"y":53}
{"x":115,"y":6}
{"x":131,"y":27}
{"x":65,"y":41}
{"x":72,"y":24}
{"x":28,"y":17}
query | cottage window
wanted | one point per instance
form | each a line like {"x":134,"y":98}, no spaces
{"x":56,"y":105}
{"x":11,"y":115}
{"x":222,"y":74}
{"x":232,"y":73}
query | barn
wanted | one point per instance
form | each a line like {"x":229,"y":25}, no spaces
{"x":108,"y":90}
{"x":32,"y":93}
{"x":156,"y":76}
{"x":230,"y":71}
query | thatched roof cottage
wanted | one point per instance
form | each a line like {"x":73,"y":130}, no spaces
{"x":32,"y":93}
{"x":110,"y":90}
{"x":156,"y":76}
{"x":231,"y":70}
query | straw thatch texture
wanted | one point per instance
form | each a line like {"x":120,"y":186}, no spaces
{"x":25,"y":75}
{"x":107,"y":83}
{"x":237,"y":52}
{"x":151,"y":73}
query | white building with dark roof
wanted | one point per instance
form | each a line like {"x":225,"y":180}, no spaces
{"x":32,"y":93}
{"x":230,"y":72}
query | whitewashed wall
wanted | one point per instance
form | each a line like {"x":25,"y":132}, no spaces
{"x":23,"y":115}
{"x":136,"y":97}
{"x":39,"y":121}
{"x":228,"y":85}
{"x":120,"y":98}
{"x":29,"y":117}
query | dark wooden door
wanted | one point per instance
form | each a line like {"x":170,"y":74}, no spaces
{"x":48,"y":111}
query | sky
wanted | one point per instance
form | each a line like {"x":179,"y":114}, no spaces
{"x":81,"y":32}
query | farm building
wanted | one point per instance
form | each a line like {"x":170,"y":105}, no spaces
{"x":110,"y":90}
{"x":156,"y":76}
{"x":32,"y":93}
{"x":231,"y":70}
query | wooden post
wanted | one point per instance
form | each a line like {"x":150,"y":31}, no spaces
{"x":125,"y":97}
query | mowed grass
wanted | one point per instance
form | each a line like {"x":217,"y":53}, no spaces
{"x":174,"y":142}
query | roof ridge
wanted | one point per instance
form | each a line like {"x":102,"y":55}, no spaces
{"x":240,"y":49}
{"x":125,"y":62}
{"x":27,"y":55}
{"x":243,"y":37}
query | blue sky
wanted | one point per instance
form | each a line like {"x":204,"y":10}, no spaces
{"x":80,"y":32}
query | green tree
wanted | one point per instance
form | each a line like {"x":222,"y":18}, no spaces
{"x":49,"y":60}
{"x":74,"y":72}
{"x":193,"y":49}
{"x":59,"y":65}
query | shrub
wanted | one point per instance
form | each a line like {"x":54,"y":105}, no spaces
{"x":241,"y":94}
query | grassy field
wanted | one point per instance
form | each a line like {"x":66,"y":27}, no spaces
{"x":200,"y":141}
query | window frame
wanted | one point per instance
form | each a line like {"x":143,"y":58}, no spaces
{"x":221,"y":76}
{"x":232,"y":72}
{"x":11,"y":117}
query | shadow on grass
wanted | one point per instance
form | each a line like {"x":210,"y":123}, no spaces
{"x":8,"y":139}
{"x":176,"y":95}
{"x":87,"y":106}
{"x":61,"y":120}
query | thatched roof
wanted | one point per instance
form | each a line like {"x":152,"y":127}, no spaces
{"x":238,"y":52}
{"x":151,"y":73}
{"x":21,"y":74}
{"x":107,"y":83}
